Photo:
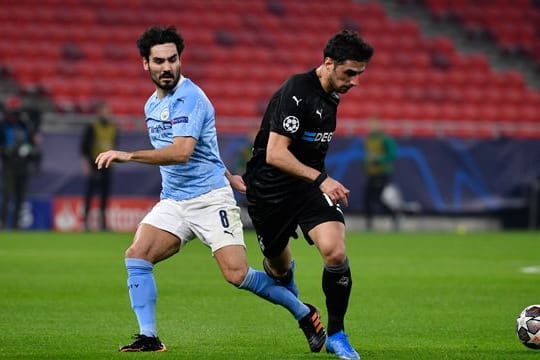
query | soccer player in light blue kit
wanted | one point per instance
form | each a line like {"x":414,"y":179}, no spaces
{"x":196,"y":199}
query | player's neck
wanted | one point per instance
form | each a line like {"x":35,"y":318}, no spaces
{"x":323,"y":78}
{"x":160,"y":93}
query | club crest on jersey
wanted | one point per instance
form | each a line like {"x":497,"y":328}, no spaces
{"x":291,"y":124}
{"x":164,"y":114}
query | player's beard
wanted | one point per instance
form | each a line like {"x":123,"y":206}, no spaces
{"x":343,"y":89}
{"x":332,"y":80}
{"x":339,"y":89}
{"x":172,"y":80}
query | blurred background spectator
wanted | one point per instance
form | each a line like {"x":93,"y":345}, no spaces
{"x":99,"y":136}
{"x":18,"y":153}
{"x":380,"y":155}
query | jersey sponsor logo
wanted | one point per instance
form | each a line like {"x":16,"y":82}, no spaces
{"x":297,"y":100}
{"x":180,"y":120}
{"x":311,"y":136}
{"x":159,"y":128}
{"x":164,"y":114}
{"x":291,"y":124}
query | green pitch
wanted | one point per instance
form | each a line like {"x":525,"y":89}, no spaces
{"x":415,"y":296}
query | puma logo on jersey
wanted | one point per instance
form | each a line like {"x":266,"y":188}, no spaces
{"x":319,"y":112}
{"x":297,"y":100}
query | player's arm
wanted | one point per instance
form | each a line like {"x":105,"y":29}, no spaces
{"x":177,"y":153}
{"x":279,"y":156}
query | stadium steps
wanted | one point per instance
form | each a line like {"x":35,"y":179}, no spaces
{"x":437,"y":18}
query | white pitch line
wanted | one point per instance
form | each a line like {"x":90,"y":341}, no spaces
{"x":531,"y":269}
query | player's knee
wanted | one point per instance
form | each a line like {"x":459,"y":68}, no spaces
{"x":235,"y":276}
{"x":131,"y":253}
{"x":335,"y":256}
{"x":137,"y":253}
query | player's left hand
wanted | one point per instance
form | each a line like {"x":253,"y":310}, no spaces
{"x":237,"y":183}
{"x":105,"y":159}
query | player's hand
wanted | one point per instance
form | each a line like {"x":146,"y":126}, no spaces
{"x":335,"y":191}
{"x":105,"y":159}
{"x":237,"y":183}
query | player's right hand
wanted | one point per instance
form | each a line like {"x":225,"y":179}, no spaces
{"x":335,"y":191}
{"x":105,"y":159}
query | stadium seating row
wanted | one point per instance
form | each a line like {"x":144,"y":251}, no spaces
{"x":241,"y":51}
{"x":513,"y":24}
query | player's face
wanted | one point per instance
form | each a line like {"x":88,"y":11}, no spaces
{"x":164,"y":66}
{"x":345,"y":76}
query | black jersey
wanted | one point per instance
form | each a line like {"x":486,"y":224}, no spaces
{"x":304,"y":112}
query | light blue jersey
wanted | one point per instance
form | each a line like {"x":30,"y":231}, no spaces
{"x":186,"y":111}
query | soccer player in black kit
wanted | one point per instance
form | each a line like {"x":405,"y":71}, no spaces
{"x":287,"y":185}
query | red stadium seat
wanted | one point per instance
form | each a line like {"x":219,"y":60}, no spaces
{"x":242,"y":51}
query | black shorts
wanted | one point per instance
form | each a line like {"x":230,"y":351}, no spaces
{"x":275,"y":224}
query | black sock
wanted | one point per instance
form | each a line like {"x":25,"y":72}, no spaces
{"x":337,"y":284}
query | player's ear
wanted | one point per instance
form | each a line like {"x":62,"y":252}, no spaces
{"x":145,"y":64}
{"x":328,"y":63}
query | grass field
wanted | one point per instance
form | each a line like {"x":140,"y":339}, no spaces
{"x":415,"y":296}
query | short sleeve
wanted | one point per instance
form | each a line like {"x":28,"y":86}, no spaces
{"x":289,"y":110}
{"x":187,"y":115}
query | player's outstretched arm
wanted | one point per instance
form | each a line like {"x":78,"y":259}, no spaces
{"x":177,"y":153}
{"x":105,"y":159}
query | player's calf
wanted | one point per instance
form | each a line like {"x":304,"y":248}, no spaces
{"x":286,"y":280}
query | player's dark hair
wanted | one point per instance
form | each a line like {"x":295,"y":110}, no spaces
{"x":347,"y":45}
{"x":156,"y":35}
